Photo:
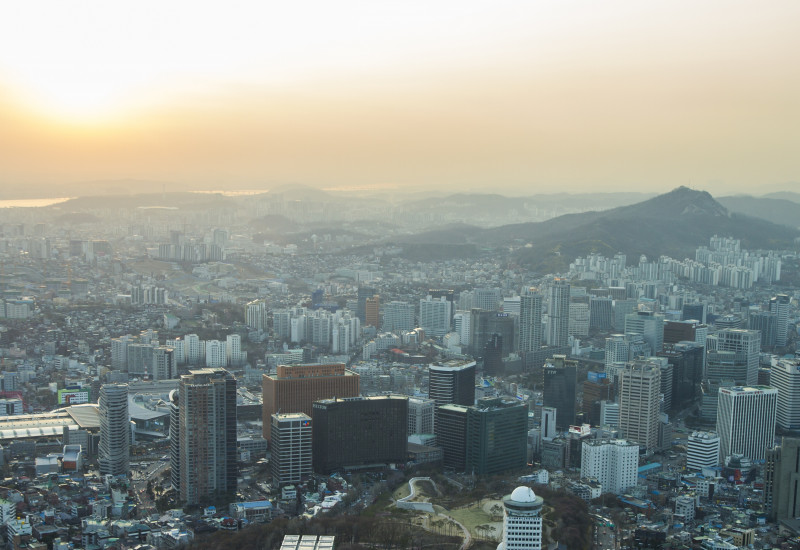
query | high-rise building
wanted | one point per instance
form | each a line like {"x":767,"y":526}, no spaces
{"x":216,"y":354}
{"x":779,"y":305}
{"x":421,"y":413}
{"x":497,"y":436}
{"x":530,"y":322}
{"x":359,"y":431}
{"x":522,"y":520}
{"x":686,"y":359}
{"x":175,"y":440}
{"x":650,"y":325}
{"x":234,"y":356}
{"x":398,"y":317}
{"x":291,"y":457}
{"x":766,"y":323}
{"x":639,"y":403}
{"x":733,"y":355}
{"x":164,"y":364}
{"x":596,"y":389}
{"x":193,"y":350}
{"x":294,"y":388}
{"x":613,"y":462}
{"x":695,"y":311}
{"x":484,"y":324}
{"x":558,"y":314}
{"x":548,"y":424}
{"x":782,"y":480}
{"x":372,"y":308}
{"x":785,"y":377}
{"x":114,"y":450}
{"x":578,"y":318}
{"x":487,"y":298}
{"x":702,"y":450}
{"x":559,"y":390}
{"x":435,"y":315}
{"x":207,"y":435}
{"x":493,"y":356}
{"x":746,"y":421}
{"x":452,"y":382}
{"x":256,"y":315}
{"x":364,"y":292}
{"x":601,"y":313}
{"x":451,"y":435}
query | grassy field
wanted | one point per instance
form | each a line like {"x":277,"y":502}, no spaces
{"x":475,"y":515}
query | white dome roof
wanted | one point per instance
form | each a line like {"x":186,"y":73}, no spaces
{"x":523,"y":494}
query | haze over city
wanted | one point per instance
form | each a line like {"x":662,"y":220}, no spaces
{"x":510,"y":97}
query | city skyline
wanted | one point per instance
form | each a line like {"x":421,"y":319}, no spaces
{"x":472,"y":96}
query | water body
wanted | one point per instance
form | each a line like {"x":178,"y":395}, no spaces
{"x":31,"y":203}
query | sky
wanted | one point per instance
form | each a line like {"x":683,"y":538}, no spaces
{"x":529,"y":96}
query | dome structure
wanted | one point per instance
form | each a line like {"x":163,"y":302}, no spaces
{"x":523,"y":494}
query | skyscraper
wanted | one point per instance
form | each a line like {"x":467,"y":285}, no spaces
{"x":164,"y":364}
{"x":650,"y":325}
{"x":530,"y":321}
{"x":452,"y":382}
{"x":372,"y":308}
{"x":497,"y":436}
{"x":484,"y":324}
{"x":114,"y":449}
{"x":359,"y":432}
{"x":420,"y":415}
{"x":364,"y":292}
{"x":746,"y":421}
{"x":435,"y":315}
{"x":559,"y":390}
{"x":779,"y":305}
{"x":207,"y":435}
{"x":766,"y":323}
{"x":782,"y":480}
{"x":601,"y":313}
{"x":702,"y":450}
{"x":522,"y":520}
{"x":294,"y":388}
{"x":291,"y":457}
{"x":558,"y":314}
{"x":733,"y":355}
{"x":639,"y":389}
{"x":785,"y":377}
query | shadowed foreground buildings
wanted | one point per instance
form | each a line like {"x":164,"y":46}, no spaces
{"x":294,"y":388}
{"x":359,"y":432}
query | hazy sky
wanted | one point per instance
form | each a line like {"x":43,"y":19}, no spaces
{"x":545,"y":96}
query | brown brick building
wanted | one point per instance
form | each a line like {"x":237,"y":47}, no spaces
{"x":294,"y":388}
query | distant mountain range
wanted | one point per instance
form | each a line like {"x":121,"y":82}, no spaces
{"x":779,"y":208}
{"x":671,"y":224}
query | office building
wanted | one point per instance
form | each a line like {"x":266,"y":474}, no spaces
{"x":364,"y":292}
{"x":530,"y":322}
{"x":785,"y":377}
{"x":733,"y":355}
{"x":779,"y":305}
{"x":702,"y":450}
{"x":358,"y":432}
{"x":291,"y":458}
{"x":421,"y":413}
{"x":601,"y":313}
{"x":294,"y":388}
{"x":435,"y":315}
{"x":558,"y":314}
{"x":682,"y":331}
{"x":372,"y":308}
{"x":782,"y":480}
{"x":613,"y":462}
{"x":639,"y":403}
{"x":114,"y":450}
{"x":493,"y":356}
{"x":398,"y":317}
{"x":522,"y":520}
{"x":650,"y":325}
{"x":497,"y":436}
{"x":452,"y":382}
{"x":746,"y":421}
{"x":207,"y":435}
{"x":696,"y":311}
{"x":484,"y":324}
{"x":686,"y":359}
{"x":609,"y":414}
{"x":451,"y":435}
{"x":559,"y":390}
{"x":548,"y":424}
{"x":597,"y":388}
{"x":578,"y":318}
{"x":766,"y":323}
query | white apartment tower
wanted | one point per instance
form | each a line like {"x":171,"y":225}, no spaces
{"x":216,"y":357}
{"x":785,"y":377}
{"x":702,"y":450}
{"x":255,"y":315}
{"x":114,"y":449}
{"x":639,"y":403}
{"x":434,"y":316}
{"x":530,"y":321}
{"x":746,"y":421}
{"x":522,"y":520}
{"x":192,"y":349}
{"x":613,"y":462}
{"x":233,"y":350}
